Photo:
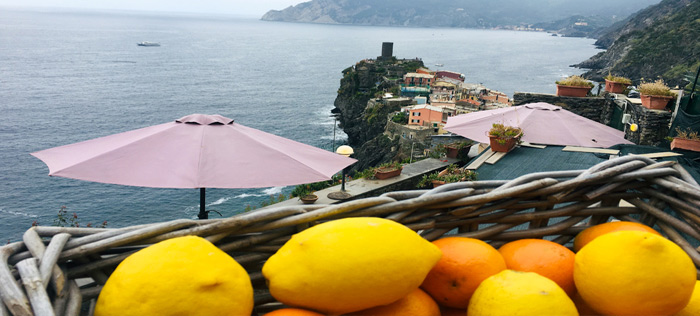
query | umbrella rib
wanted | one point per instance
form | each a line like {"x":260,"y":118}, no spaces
{"x":286,"y":154}
{"x":100,"y":154}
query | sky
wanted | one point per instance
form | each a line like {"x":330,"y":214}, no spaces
{"x":233,"y":7}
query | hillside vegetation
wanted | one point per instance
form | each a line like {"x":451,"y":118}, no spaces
{"x":661,"y":41}
{"x":454,"y":13}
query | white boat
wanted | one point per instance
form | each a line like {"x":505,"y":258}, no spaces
{"x":148,"y":44}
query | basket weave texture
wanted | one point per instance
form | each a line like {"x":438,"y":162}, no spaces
{"x":40,"y":275}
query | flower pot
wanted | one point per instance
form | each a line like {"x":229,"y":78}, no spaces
{"x":572,"y":91}
{"x":309,"y":199}
{"x":452,"y":152}
{"x":614,"y":87}
{"x":655,"y":102}
{"x":437,"y":183}
{"x":506,"y":147}
{"x":687,"y":144}
{"x":386,"y":173}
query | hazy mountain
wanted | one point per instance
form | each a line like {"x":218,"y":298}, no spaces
{"x":660,"y":41}
{"x":453,"y":13}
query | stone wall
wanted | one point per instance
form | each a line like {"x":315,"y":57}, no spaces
{"x":598,"y":109}
{"x":653,"y":125}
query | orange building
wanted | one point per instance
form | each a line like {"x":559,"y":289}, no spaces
{"x":427,"y":115}
{"x":414,"y":79}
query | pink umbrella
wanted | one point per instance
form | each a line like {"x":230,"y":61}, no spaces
{"x":542,"y":123}
{"x":196,"y":151}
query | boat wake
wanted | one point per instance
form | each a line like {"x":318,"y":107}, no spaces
{"x":21,"y":214}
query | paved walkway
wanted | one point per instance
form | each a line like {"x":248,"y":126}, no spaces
{"x":361,"y":188}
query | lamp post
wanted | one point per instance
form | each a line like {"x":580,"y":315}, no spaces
{"x":346,"y":151}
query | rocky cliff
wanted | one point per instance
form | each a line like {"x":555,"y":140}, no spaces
{"x":361,"y":112}
{"x":660,"y":41}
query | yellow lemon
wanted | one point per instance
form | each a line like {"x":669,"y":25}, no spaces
{"x":693,"y":307}
{"x":349,"y":265}
{"x":180,"y":276}
{"x":516,"y":293}
{"x":634,"y":273}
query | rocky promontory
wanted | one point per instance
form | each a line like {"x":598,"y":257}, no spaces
{"x":363,"y":113}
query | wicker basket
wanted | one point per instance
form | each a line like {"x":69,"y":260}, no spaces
{"x":552,"y":205}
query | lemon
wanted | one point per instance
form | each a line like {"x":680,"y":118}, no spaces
{"x":349,"y":264}
{"x":693,"y":307}
{"x":180,"y":276}
{"x":634,"y":273}
{"x":516,"y":293}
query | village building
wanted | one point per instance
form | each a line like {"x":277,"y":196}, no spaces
{"x":426,"y":115}
{"x":443,"y":91}
{"x":440,"y":74}
{"x":414,"y":79}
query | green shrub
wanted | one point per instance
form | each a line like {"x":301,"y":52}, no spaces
{"x":504,"y":133}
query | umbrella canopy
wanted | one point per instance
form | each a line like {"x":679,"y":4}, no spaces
{"x":195,"y":151}
{"x":542,"y":123}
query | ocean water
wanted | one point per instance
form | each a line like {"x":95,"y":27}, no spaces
{"x":71,"y":76}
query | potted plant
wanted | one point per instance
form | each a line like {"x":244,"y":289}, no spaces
{"x":503,"y":138}
{"x":573,"y":86}
{"x":454,"y":150}
{"x":616,"y":84}
{"x":449,"y":175}
{"x":388,"y":170}
{"x":688,"y":140}
{"x":306,"y":195}
{"x":655,"y":95}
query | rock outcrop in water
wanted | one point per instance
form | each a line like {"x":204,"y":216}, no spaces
{"x":362,"y":113}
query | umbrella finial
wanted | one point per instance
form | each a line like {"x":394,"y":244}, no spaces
{"x":204,"y":119}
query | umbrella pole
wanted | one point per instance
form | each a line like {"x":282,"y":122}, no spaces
{"x":202,"y":213}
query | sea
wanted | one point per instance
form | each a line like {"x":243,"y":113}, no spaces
{"x":68,"y":76}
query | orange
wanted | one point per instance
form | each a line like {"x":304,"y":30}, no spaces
{"x":633,"y":273}
{"x":544,"y":257}
{"x":465,"y":262}
{"x":593,"y":232}
{"x":292,"y":312}
{"x":416,"y":303}
{"x":449,"y":311}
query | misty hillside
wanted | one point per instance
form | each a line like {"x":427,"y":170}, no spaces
{"x":661,"y":41}
{"x":453,"y":13}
